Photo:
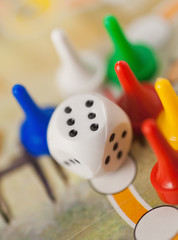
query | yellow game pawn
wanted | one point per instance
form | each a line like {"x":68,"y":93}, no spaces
{"x":168,"y":118}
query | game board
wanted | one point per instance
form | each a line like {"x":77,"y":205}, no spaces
{"x":79,"y":212}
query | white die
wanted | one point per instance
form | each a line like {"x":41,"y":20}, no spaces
{"x":89,"y":135}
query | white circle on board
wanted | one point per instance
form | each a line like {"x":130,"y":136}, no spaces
{"x":151,"y":29}
{"x":160,"y":223}
{"x":116,"y":181}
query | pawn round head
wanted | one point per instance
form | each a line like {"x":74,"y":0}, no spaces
{"x":89,"y":135}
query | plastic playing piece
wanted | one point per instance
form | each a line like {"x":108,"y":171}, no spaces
{"x":33,"y":129}
{"x":139,"y":101}
{"x":168,"y":119}
{"x":164,"y":175}
{"x":76,"y":73}
{"x":140,"y":58}
{"x":151,"y":29}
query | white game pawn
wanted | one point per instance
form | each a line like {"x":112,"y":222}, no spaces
{"x":91,"y":136}
{"x":151,"y":29}
{"x":76,"y":73}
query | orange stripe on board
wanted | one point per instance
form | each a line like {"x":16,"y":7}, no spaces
{"x":130,"y":205}
{"x":170,"y":11}
{"x":175,"y":238}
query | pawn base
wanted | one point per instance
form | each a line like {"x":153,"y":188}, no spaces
{"x":116,"y":181}
{"x":167,"y":195}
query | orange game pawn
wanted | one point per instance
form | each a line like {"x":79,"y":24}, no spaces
{"x":164,"y":175}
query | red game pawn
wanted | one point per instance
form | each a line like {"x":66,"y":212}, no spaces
{"x":140,"y":100}
{"x":164,"y":175}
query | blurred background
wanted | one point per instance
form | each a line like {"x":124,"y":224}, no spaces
{"x":27,"y":56}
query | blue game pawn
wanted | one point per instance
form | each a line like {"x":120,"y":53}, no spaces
{"x":34,"y":128}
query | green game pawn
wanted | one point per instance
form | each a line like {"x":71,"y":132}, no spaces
{"x":140,"y":58}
